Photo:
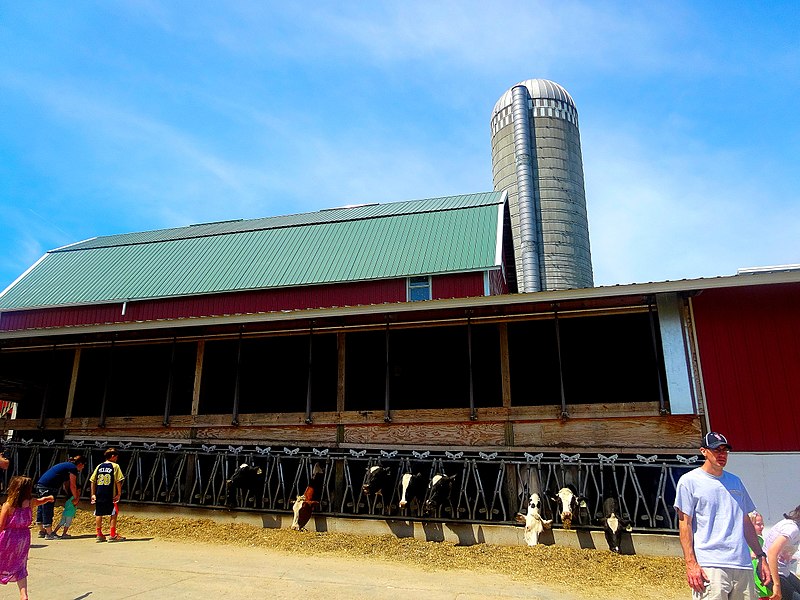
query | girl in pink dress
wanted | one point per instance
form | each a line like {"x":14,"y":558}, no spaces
{"x":15,"y":534}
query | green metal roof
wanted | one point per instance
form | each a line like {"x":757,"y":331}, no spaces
{"x":377,"y":241}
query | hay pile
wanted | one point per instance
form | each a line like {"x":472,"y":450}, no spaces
{"x":607,"y":575}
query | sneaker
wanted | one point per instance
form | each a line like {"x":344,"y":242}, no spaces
{"x":50,"y":537}
{"x":101,"y":538}
{"x":42,"y":533}
{"x":66,"y":536}
{"x":116,"y":538}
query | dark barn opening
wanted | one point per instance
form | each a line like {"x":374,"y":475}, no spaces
{"x":38,"y":375}
{"x":365,"y":370}
{"x":533,"y":362}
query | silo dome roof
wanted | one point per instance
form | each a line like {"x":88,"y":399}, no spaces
{"x":537,"y":88}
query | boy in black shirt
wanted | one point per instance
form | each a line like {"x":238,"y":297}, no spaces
{"x":106,"y":491}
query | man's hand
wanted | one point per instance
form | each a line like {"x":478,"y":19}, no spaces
{"x":75,"y":501}
{"x":696,"y":577}
{"x":763,"y":571}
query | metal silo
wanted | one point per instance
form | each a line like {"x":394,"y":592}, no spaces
{"x":536,"y":156}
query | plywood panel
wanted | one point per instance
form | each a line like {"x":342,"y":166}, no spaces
{"x":621,"y":434}
{"x":427,"y":435}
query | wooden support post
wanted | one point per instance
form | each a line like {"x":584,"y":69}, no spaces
{"x":341,"y":348}
{"x":235,"y":409}
{"x":106,"y":386}
{"x":564,"y":413}
{"x":73,"y":383}
{"x":45,"y":396}
{"x":387,"y":415}
{"x":308,"y":418}
{"x":473,"y":412}
{"x":198,"y":376}
{"x":505,"y":368}
{"x":662,"y":406}
{"x":170,"y":380}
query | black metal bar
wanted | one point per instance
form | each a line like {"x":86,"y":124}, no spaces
{"x":473,"y":412}
{"x":109,"y":375}
{"x":387,"y":415}
{"x":235,"y":418}
{"x":662,"y":405}
{"x":168,"y":400}
{"x":564,"y":412}
{"x":309,"y":420}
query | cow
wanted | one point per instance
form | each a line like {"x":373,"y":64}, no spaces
{"x":614,"y":524}
{"x":569,"y":505}
{"x":376,"y":483}
{"x":246,"y":478}
{"x":412,"y":488}
{"x":308,"y":502}
{"x":534,"y":521}
{"x":440,"y":491}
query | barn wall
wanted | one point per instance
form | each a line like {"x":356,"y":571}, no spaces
{"x":457,"y":285}
{"x":749,"y":346}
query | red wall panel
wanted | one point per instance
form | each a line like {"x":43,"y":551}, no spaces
{"x":749,"y":343}
{"x":458,"y":285}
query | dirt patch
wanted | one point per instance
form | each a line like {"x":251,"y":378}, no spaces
{"x":608,"y":575}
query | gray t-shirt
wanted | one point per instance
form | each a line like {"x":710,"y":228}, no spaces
{"x":717,"y":506}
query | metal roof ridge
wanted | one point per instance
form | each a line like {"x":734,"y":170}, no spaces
{"x":69,"y":247}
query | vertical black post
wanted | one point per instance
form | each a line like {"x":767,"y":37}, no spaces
{"x":564,"y":412}
{"x":235,"y":419}
{"x":387,"y":415}
{"x":109,"y":376}
{"x":309,"y":420}
{"x":168,"y":401}
{"x":662,"y":407}
{"x":473,"y":413}
{"x":46,"y":395}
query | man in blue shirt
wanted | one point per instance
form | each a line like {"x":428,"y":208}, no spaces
{"x":63,"y":474}
{"x":715,"y":529}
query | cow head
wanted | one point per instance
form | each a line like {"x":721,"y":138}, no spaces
{"x":613,"y":524}
{"x":439,"y":491}
{"x":376,"y":480}
{"x":568,"y":503}
{"x":247,"y":478}
{"x":412,"y":487}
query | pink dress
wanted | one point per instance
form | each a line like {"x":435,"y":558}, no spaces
{"x":15,"y":541}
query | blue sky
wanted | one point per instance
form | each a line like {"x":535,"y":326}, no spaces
{"x":127,"y":116}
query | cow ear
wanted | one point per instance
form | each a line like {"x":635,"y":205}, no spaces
{"x":582,"y":503}
{"x":259,"y":471}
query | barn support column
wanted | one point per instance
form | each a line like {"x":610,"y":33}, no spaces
{"x":675,"y":350}
{"x":198,"y":377}
{"x":505,"y":368}
{"x":662,"y":406}
{"x":48,"y":376}
{"x":106,"y":386}
{"x":387,"y":415}
{"x":73,"y":383}
{"x":341,"y":350}
{"x":235,"y":410}
{"x":473,"y":413}
{"x":308,"y":418}
{"x":564,"y":412}
{"x":168,"y":400}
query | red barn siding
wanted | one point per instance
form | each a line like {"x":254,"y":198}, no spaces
{"x":322,"y":296}
{"x":749,"y":343}
{"x":458,"y":285}
{"x":497,"y":283}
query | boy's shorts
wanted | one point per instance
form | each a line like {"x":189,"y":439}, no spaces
{"x":105,"y":508}
{"x":65,"y":521}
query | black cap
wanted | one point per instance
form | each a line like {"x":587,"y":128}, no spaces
{"x":714,"y":440}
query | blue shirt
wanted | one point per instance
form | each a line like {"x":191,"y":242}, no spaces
{"x":717,"y":506}
{"x":57,"y":475}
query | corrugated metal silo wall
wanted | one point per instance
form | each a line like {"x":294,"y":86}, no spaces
{"x":749,"y":344}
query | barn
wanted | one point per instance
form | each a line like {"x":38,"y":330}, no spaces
{"x":386,"y":334}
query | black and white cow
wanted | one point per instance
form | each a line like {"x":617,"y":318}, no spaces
{"x":305,"y":504}
{"x":440,"y":490}
{"x":571,"y":507}
{"x":614,"y":524}
{"x":412,"y":490}
{"x":534,"y":520}
{"x":377,"y":482}
{"x":246,"y":478}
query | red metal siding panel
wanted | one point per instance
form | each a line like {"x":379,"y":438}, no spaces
{"x":458,"y":285}
{"x":497,"y":283}
{"x":749,"y":342}
{"x":349,"y":294}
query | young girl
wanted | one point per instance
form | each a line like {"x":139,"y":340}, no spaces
{"x":15,"y":535}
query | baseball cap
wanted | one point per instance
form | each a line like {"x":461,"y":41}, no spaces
{"x":714,"y":440}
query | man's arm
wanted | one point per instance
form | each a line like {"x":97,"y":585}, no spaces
{"x":73,"y":487}
{"x":695,"y":575}
{"x":751,"y":537}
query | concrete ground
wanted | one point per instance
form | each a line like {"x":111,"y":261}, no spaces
{"x":150,"y":569}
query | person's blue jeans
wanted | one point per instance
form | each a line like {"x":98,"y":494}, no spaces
{"x":44,"y":512}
